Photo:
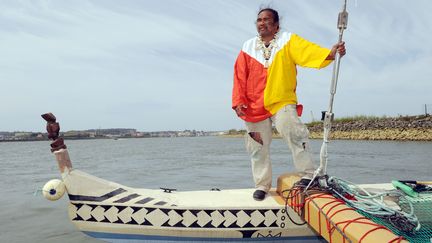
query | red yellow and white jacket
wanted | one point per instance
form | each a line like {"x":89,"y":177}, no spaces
{"x":266,"y":90}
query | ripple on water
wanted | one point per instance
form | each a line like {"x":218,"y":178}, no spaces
{"x":182,"y":163}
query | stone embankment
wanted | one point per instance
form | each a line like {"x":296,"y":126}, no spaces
{"x":414,"y":128}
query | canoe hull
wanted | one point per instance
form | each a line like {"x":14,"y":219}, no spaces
{"x":110,"y":237}
{"x":116,"y":213}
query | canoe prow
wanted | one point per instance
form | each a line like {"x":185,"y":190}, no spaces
{"x":57,"y":146}
{"x":113,"y":212}
{"x":63,"y":161}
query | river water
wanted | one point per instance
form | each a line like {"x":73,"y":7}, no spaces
{"x":198,"y":163}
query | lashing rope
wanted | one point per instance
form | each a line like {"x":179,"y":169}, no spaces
{"x":350,"y":194}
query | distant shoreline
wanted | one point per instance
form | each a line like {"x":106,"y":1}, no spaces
{"x":110,"y":133}
{"x":402,"y":128}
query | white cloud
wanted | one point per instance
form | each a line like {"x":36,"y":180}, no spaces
{"x":168,"y":64}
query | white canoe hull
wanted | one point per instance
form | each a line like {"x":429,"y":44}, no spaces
{"x":116,"y":213}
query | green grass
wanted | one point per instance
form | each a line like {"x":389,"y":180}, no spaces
{"x":359,"y":118}
{"x":349,"y":119}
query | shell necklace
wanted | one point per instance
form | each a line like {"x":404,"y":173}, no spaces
{"x":266,"y":50}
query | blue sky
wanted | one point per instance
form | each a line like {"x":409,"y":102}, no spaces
{"x":167,"y":65}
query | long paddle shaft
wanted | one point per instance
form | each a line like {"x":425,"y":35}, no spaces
{"x":328,"y":116}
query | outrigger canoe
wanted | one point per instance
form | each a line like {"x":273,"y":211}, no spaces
{"x":116,"y":213}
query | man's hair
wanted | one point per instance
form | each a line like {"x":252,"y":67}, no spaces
{"x":274,"y":13}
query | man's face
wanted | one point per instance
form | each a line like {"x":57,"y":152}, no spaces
{"x":266,"y":27}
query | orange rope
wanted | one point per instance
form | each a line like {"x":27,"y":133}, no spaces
{"x":331,"y":229}
{"x":372,"y":230}
{"x":297,"y":205}
{"x":309,"y":200}
{"x":397,"y":239}
{"x":348,"y":222}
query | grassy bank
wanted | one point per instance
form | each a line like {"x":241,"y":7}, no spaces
{"x":412,"y":128}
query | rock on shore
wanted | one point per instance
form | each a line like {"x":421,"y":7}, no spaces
{"x":415,"y":128}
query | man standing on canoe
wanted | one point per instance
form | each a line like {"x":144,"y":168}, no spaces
{"x":264,"y":93}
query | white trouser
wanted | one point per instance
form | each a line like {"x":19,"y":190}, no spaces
{"x":294,"y":133}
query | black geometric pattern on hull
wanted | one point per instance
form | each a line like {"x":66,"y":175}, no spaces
{"x":112,"y":194}
{"x":179,"y":218}
{"x":96,"y":199}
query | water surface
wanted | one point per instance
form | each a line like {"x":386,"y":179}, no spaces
{"x":198,"y":163}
